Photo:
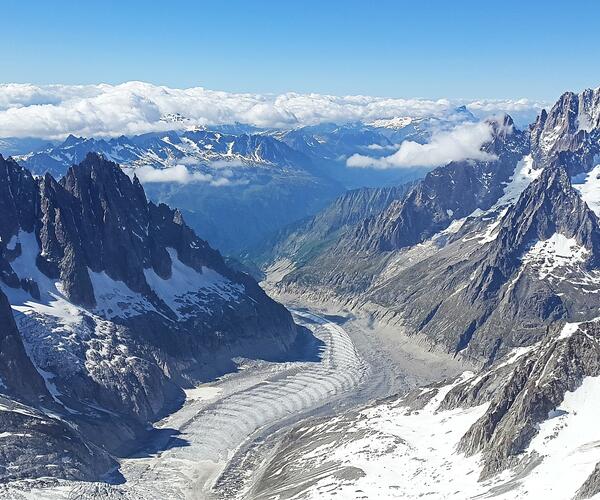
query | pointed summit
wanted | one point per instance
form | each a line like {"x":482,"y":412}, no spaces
{"x":71,"y":140}
{"x":548,"y":206}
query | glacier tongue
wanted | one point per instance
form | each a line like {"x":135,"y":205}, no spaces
{"x":194,"y":444}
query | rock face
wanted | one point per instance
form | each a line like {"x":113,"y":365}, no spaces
{"x":523,"y":393}
{"x":19,"y":379}
{"x":571,"y":126}
{"x":445,"y":194}
{"x":119,"y":304}
{"x":548,"y":206}
{"x":301,"y":241}
{"x":484,"y":296}
{"x":591,"y":486}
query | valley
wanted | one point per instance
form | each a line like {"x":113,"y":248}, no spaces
{"x":207,"y":449}
{"x":394,"y":308}
{"x":299,"y":250}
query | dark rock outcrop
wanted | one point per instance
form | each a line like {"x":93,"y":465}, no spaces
{"x":18,"y":377}
{"x":571,"y":127}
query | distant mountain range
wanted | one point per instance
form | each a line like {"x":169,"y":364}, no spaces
{"x":238,"y":184}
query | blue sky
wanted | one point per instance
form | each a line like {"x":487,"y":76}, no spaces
{"x":430,"y":49}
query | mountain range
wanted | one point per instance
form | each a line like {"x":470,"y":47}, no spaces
{"x":493,"y":232}
{"x":111,"y":305}
{"x":236,"y":184}
{"x":494,"y":262}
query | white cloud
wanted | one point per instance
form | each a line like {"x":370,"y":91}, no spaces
{"x":461,"y":143}
{"x":54,"y":111}
{"x":523,"y":111}
{"x":178,"y":174}
{"x":379,"y":147}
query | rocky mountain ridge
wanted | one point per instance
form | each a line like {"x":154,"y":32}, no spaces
{"x":233,"y":188}
{"x":479,"y":257}
{"x":445,"y":194}
{"x":167,"y":149}
{"x":298,"y":242}
{"x":119,"y":305}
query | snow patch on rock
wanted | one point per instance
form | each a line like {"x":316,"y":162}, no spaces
{"x":396,"y":123}
{"x":568,"y":330}
{"x":588,"y":186}
{"x":525,"y":173}
{"x":188,"y":290}
{"x":568,"y":442}
{"x":115,"y":299}
{"x":397,"y":452}
{"x":558,"y":251}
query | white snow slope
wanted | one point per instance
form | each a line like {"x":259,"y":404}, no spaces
{"x":388,"y":451}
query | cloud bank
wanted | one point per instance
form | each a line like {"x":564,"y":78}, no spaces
{"x":179,"y":174}
{"x":461,"y":143}
{"x":54,"y":111}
